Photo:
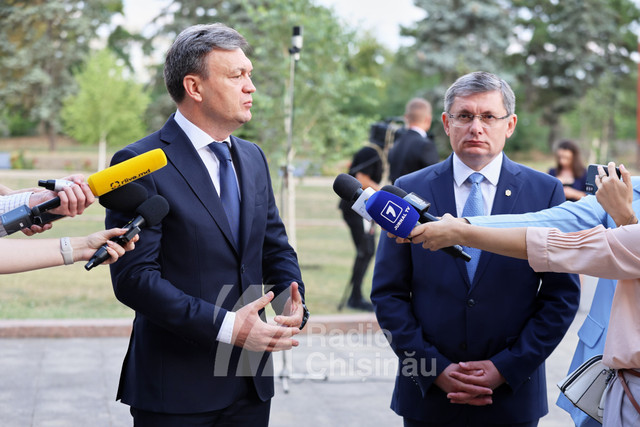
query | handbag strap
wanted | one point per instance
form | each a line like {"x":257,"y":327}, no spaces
{"x":627,"y":391}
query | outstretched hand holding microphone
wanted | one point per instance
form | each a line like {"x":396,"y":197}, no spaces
{"x":25,"y":217}
{"x":392,"y":208}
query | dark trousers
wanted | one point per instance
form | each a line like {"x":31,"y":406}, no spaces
{"x":246,"y":411}
{"x":365,"y":249}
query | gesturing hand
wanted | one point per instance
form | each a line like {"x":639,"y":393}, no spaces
{"x":252,"y":333}
{"x":293,"y":311}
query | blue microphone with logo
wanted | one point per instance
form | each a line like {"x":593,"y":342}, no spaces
{"x":392,"y":213}
{"x":397,"y":216}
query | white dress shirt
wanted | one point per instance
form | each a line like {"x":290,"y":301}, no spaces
{"x":201,"y":140}
{"x":488,"y":186}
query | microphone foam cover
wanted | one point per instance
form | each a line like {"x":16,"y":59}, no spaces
{"x":124,"y":199}
{"x":118,"y":175}
{"x":392,"y":213}
{"x":346,"y":187}
{"x":153,"y":210}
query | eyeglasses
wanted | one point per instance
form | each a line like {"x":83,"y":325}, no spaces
{"x":463,"y":119}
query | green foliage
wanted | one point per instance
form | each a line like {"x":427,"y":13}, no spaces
{"x":107,"y":107}
{"x":457,"y":37}
{"x":338,"y":83}
{"x":16,"y":122}
{"x":551,"y":53}
{"x":40,"y":42}
{"x":569,"y":46}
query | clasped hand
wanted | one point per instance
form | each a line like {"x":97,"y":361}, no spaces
{"x":470,"y":383}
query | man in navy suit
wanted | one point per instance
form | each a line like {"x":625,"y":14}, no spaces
{"x":472,"y":338}
{"x":414,"y":149}
{"x":200,"y":348}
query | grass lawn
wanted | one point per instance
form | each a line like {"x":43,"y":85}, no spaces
{"x":325,"y":251}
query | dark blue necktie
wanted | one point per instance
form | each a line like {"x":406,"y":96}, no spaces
{"x":230,"y":195}
{"x":474,"y":207}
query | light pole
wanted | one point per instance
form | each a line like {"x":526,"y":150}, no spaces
{"x":290,"y":200}
{"x":289,"y":184}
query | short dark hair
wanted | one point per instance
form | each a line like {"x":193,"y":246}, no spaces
{"x":187,"y":53}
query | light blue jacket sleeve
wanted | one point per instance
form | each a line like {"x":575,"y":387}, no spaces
{"x":569,"y":216}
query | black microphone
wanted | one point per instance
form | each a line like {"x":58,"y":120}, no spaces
{"x":422,"y":206}
{"x":350,"y":190}
{"x":24,"y":217}
{"x":150,"y":213}
{"x":124,"y":199}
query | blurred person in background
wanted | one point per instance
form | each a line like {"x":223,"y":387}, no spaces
{"x":570,"y":170}
{"x":367,"y":167}
{"x":414,"y":149}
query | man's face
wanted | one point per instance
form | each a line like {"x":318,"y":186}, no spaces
{"x":226,"y":92}
{"x":475,"y":144}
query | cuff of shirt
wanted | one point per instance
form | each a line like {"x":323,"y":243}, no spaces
{"x":537,"y":248}
{"x":226,"y":330}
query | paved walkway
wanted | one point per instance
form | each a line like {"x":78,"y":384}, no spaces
{"x":46,"y":382}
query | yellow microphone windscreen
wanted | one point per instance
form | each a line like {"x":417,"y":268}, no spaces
{"x":123,"y":173}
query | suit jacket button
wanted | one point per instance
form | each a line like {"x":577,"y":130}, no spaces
{"x":471,"y":302}
{"x":242,"y":269}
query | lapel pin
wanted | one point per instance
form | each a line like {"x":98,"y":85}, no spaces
{"x":507,"y":193}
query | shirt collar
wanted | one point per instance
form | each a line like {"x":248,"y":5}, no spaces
{"x":421,"y":131}
{"x":491,"y":172}
{"x":197,"y":136}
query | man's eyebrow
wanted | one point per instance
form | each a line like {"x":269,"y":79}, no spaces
{"x":241,"y":70}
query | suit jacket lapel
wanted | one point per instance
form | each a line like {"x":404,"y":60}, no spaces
{"x":183,"y":156}
{"x":442,"y":187}
{"x":241,"y":157}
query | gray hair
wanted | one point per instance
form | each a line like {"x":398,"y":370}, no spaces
{"x":480,"y":82}
{"x":189,"y":50}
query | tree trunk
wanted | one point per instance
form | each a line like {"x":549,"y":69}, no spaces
{"x":46,"y":129}
{"x":554,"y":131}
{"x":102,"y":152}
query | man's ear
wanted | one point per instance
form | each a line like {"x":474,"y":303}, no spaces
{"x":513,"y":120}
{"x":192,"y":87}
{"x":445,"y":123}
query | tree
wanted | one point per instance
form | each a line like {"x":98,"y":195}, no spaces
{"x":40,"y":43}
{"x":457,"y":37}
{"x":107,"y":108}
{"x":568,"y":46}
{"x":336,"y":97}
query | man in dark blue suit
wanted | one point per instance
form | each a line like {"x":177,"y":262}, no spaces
{"x":200,"y":348}
{"x":414,"y":149}
{"x":472,"y":338}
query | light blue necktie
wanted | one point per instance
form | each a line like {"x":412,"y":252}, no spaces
{"x":230,"y":195}
{"x":474,"y":207}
